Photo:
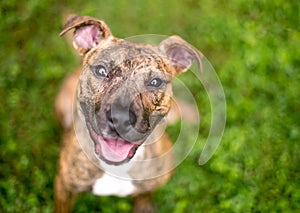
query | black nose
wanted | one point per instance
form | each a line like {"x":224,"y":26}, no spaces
{"x":121,"y":120}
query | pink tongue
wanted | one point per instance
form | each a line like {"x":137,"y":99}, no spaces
{"x":115,"y":150}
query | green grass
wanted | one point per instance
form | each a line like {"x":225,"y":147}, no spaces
{"x":255,"y":49}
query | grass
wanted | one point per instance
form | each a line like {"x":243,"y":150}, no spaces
{"x":255,"y":49}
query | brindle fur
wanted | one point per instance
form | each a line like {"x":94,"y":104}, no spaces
{"x":76,"y":172}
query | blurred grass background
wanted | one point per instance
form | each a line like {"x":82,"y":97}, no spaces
{"x":253,"y":45}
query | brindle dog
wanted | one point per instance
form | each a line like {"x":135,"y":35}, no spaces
{"x":113,"y":143}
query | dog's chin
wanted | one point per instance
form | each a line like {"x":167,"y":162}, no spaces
{"x":113,"y":151}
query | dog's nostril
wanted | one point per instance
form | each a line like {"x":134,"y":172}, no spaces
{"x":110,"y":120}
{"x":132,"y":118}
{"x":108,"y":116}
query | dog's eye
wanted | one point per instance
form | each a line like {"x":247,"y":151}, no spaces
{"x":155,"y":82}
{"x":99,"y":71}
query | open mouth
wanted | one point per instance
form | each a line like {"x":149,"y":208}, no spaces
{"x":113,"y":150}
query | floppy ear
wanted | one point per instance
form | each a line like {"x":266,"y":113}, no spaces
{"x":88,"y":32}
{"x":180,"y":53}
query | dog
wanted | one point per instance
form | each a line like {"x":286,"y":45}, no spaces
{"x":111,"y":110}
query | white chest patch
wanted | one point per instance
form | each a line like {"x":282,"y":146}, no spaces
{"x":110,"y":185}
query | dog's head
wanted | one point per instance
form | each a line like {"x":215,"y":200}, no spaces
{"x":125,"y":88}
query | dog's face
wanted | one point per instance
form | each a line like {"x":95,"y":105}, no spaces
{"x":124,"y":91}
{"x":125,"y":88}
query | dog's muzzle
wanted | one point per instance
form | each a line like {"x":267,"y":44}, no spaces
{"x":116,"y":131}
